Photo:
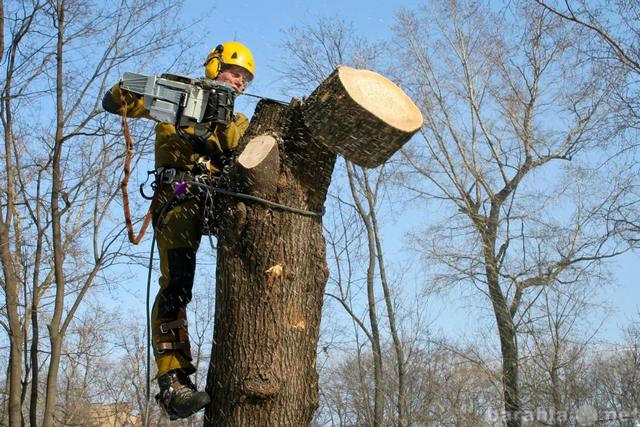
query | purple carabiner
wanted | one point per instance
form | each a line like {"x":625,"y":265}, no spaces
{"x":180,"y":188}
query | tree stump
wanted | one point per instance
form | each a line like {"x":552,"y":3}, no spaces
{"x":271,"y":263}
{"x":270,"y":278}
{"x":361,"y":115}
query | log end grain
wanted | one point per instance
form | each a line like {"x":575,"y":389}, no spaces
{"x":382,"y":98}
{"x":361,"y":115}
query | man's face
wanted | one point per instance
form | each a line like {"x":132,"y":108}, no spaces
{"x":235,"y":76}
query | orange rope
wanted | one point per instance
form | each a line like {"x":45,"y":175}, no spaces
{"x":123,"y":185}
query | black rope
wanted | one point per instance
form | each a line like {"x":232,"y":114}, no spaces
{"x":149,"y":270}
{"x":256,"y":199}
{"x":148,"y":373}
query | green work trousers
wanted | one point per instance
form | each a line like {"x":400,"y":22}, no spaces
{"x":178,"y":234}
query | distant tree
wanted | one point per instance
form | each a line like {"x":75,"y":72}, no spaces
{"x":613,"y":379}
{"x":447,"y":387}
{"x":556,"y":337}
{"x":61,"y":170}
{"x":513,"y":115}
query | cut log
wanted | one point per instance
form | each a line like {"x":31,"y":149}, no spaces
{"x":361,"y":115}
{"x":256,"y":151}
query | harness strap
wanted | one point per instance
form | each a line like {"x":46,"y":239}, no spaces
{"x":161,"y":347}
{"x":166,"y":327}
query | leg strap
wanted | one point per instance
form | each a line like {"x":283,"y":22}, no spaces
{"x":166,"y":327}
{"x":174,"y":336}
{"x":172,"y":346}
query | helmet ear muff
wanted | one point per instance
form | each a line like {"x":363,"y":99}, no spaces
{"x":214,"y":62}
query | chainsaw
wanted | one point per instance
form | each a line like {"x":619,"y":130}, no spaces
{"x":182,"y":100}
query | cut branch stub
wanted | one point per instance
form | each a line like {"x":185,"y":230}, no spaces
{"x":259,"y":163}
{"x":361,"y":115}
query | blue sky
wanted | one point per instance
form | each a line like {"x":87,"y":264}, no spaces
{"x":260,"y":26}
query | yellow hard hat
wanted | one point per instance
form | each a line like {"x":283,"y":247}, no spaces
{"x":228,"y":53}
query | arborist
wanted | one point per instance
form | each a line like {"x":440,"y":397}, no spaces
{"x":184,"y":154}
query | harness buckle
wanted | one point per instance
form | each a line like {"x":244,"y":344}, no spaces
{"x":176,"y":324}
{"x":167,"y":175}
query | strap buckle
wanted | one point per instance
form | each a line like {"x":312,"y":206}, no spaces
{"x":163,"y":347}
{"x":176,"y":324}
{"x":167,"y":175}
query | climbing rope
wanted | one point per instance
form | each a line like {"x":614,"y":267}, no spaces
{"x":265,"y":202}
{"x":133,"y":238}
{"x":148,"y":371}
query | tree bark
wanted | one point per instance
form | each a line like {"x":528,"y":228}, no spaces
{"x":506,"y":333}
{"x":272,"y":267}
{"x":271,"y":276}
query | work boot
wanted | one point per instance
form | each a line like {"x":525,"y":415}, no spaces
{"x":178,"y":396}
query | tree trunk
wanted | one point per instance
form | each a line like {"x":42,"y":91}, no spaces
{"x":15,"y":382}
{"x":507,"y":334}
{"x":378,"y":391}
{"x":509,"y":351}
{"x":271,"y":276}
{"x":55,"y":334}
{"x":391,"y":314}
{"x":272,"y":266}
{"x":35,"y":368}
{"x":11,"y":286}
{"x":556,"y":383}
{"x":10,"y":276}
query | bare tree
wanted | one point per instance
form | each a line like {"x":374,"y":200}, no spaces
{"x":555,"y":343}
{"x":58,"y":236}
{"x":616,"y":28}
{"x":507,"y":98}
{"x":10,"y":268}
{"x":447,"y":387}
{"x":361,"y":186}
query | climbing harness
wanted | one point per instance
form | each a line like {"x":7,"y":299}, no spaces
{"x":260,"y":200}
{"x":198,"y":143}
{"x":182,"y":186}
